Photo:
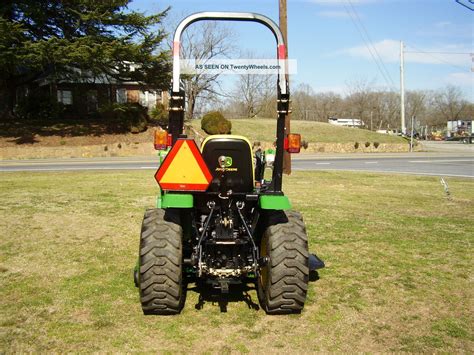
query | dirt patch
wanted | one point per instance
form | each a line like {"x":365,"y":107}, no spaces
{"x":85,"y":151}
{"x":64,"y":139}
{"x":67,"y":143}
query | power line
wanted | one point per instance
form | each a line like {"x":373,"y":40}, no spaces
{"x":470,"y":7}
{"x":368,"y":43}
{"x":472,"y":53}
{"x":371,"y":42}
{"x":437,"y":58}
{"x":369,"y":48}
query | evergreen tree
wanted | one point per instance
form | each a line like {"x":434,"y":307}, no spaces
{"x":64,"y":38}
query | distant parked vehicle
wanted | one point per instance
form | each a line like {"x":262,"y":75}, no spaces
{"x":346,"y":122}
{"x":460,"y":129}
{"x":461,"y":139}
{"x":416,"y":135}
{"x":436,"y":136}
{"x":468,"y":140}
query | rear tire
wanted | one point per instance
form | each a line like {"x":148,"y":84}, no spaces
{"x":160,"y":278}
{"x":283,"y":282}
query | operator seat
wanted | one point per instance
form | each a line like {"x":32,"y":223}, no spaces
{"x":229,"y":159}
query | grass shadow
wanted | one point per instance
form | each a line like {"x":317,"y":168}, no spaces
{"x":209,"y":294}
{"x":23,"y":131}
{"x":313,"y":276}
{"x":26,"y":138}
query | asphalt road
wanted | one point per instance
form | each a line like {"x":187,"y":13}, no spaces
{"x":456,"y":166}
{"x":436,"y":164}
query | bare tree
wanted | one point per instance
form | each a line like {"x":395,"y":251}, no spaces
{"x":303,"y":103}
{"x":307,"y":105}
{"x":415,"y":103}
{"x":450,"y":103}
{"x":359,"y":98}
{"x":204,"y":41}
{"x":431,"y":108}
{"x":469,"y":111}
{"x":391,"y":109}
{"x":328,"y":104}
{"x":253,"y":91}
{"x":268,"y":106}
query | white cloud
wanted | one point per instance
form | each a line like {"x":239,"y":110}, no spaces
{"x":460,"y":79}
{"x":389,"y":51}
{"x":333,"y":14}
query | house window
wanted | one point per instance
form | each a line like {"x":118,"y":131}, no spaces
{"x":65,"y":97}
{"x":121,"y":96}
{"x":92,"y":102}
{"x":133,"y":96}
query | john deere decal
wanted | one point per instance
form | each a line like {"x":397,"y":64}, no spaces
{"x":225,"y":164}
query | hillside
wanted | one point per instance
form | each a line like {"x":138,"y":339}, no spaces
{"x":263,"y":130}
{"x":95,"y":140}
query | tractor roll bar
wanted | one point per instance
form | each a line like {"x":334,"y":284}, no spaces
{"x":177,"y":99}
{"x":229,"y":16}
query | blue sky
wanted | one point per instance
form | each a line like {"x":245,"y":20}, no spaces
{"x":332,"y":50}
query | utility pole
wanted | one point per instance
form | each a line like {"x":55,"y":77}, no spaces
{"x":411,"y":135}
{"x":284,"y":31}
{"x":402,"y":89}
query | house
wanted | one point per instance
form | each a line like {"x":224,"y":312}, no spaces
{"x":83,"y":94}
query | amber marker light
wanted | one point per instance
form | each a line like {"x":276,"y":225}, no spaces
{"x":162,"y":140}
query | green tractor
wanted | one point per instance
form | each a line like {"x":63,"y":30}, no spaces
{"x":218,"y":221}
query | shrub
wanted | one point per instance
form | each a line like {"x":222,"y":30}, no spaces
{"x":356,"y":145}
{"x":224,"y":127}
{"x":376,"y":145}
{"x":40,"y":106}
{"x":367,"y":144}
{"x":210,"y":119}
{"x":215,"y":123}
{"x":125,"y":117}
{"x":304,"y":144}
{"x":159,"y":115}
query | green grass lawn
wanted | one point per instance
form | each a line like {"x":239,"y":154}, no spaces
{"x":398,"y":277}
{"x":264,"y":130}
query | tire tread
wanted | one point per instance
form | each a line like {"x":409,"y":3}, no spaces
{"x":160,"y":272}
{"x":288,"y":272}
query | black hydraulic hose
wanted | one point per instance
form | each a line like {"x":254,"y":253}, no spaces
{"x":201,"y":238}
{"x":254,"y":250}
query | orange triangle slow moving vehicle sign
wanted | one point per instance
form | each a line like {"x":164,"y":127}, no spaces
{"x":184,"y":168}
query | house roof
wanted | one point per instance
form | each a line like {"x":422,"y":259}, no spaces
{"x":79,"y":76}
